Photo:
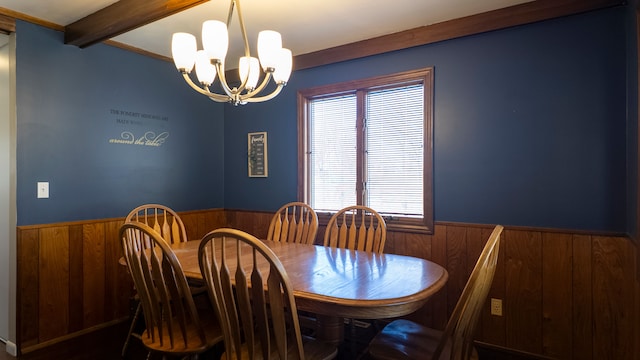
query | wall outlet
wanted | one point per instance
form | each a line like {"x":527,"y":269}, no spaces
{"x":496,"y":307}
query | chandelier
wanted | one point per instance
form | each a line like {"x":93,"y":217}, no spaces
{"x":275,"y":61}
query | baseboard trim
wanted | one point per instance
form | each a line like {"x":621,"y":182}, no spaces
{"x":11,"y":348}
{"x":510,"y":353}
{"x":44,"y":344}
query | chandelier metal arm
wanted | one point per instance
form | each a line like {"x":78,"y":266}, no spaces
{"x":262,"y":85}
{"x":205,"y":91}
{"x":275,"y":92}
{"x":223,"y":81}
{"x":247,"y":51}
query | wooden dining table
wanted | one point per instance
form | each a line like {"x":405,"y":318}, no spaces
{"x":341,"y":283}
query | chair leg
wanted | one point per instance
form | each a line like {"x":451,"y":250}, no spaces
{"x":134,"y":321}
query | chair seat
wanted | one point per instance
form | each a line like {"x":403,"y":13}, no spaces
{"x":193,"y":345}
{"x":405,"y":339}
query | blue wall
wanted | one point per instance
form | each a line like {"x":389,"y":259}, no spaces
{"x":529,"y":125}
{"x":530,"y":128}
{"x":72,"y":102}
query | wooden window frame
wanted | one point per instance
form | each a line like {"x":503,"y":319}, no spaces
{"x":305,"y":96}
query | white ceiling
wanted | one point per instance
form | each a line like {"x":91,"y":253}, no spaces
{"x":306,"y":25}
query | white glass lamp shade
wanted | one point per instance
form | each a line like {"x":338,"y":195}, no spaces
{"x":269,"y":45}
{"x":205,"y":71}
{"x":183,"y":50}
{"x":215,"y":39}
{"x":284,"y":66}
{"x":249,"y":66}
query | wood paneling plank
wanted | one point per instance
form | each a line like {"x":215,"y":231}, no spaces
{"x":198,"y":224}
{"x":118,"y":286}
{"x":523,"y":304}
{"x":456,"y":264}
{"x":395,"y":244}
{"x":557,"y":265}
{"x":255,"y":223}
{"x":613,"y":276}
{"x":93,"y":265}
{"x":582,"y":310}
{"x":439,"y":256}
{"x":416,"y":245}
{"x":420,"y":245}
{"x":54,"y":283}
{"x":76,"y":289}
{"x":475,"y":244}
{"x":192,"y":225}
{"x":215,"y":220}
{"x":28,"y":278}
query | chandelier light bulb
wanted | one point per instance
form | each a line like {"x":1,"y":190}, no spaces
{"x":284,"y":66}
{"x":249,"y":66}
{"x":183,"y":50}
{"x":215,"y":39}
{"x":205,"y":71}
{"x":269,"y":45}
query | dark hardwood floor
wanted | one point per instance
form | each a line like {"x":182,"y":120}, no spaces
{"x":106,"y":344}
{"x":100,"y":345}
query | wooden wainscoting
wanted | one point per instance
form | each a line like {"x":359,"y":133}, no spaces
{"x":566,"y":295}
{"x":69,"y":280}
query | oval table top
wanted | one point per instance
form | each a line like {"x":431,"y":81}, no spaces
{"x":346,"y":283}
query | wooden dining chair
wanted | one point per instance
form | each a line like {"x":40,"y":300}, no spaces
{"x":173,"y":324}
{"x":254,"y":299}
{"x":295,"y":222}
{"x":162,"y":219}
{"x":405,"y":339}
{"x":356,"y":227}
{"x":168,"y":224}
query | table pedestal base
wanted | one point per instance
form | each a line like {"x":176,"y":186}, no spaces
{"x":330,"y":329}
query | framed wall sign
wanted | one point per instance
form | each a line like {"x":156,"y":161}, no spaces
{"x":257,"y":154}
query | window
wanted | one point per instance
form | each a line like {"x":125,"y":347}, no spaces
{"x":369,"y":142}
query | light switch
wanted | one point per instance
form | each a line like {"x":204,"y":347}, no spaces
{"x":43,"y":190}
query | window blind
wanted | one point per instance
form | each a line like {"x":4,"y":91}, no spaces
{"x":333,"y":152}
{"x":394,"y":150}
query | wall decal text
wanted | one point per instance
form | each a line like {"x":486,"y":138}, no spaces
{"x":133,"y":118}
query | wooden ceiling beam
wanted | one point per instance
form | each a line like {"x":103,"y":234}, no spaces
{"x":7,"y":24}
{"x":525,"y":13}
{"x":120,"y":17}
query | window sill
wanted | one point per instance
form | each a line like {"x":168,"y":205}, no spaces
{"x":400,"y":224}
